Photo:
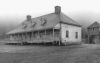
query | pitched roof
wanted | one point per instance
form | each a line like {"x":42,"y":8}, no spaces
{"x":52,"y":20}
{"x":95,"y":24}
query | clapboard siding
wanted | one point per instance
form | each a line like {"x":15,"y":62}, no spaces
{"x":72,"y":30}
{"x":94,"y":31}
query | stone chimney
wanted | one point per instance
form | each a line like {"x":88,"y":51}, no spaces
{"x":28,"y":17}
{"x":57,"y":9}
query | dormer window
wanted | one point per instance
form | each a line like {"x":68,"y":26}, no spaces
{"x":33,"y":23}
{"x":24,"y":26}
{"x":43,"y":21}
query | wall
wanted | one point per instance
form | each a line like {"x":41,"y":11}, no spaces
{"x":72,"y":36}
{"x":72,"y":30}
{"x":93,"y":32}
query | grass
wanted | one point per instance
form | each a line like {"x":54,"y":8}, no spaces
{"x":50,"y":54}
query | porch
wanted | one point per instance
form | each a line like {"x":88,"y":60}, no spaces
{"x":40,"y":36}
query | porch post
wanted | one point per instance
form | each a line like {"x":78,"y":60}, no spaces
{"x":45,"y":35}
{"x":18,"y":37}
{"x":53,"y":36}
{"x":32,"y":37}
{"x":22,"y":37}
{"x":14,"y":38}
{"x":88,"y":38}
{"x":60,"y":34}
{"x":27,"y":36}
{"x":38,"y":37}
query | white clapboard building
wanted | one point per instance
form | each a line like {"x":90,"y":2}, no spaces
{"x":55,"y":27}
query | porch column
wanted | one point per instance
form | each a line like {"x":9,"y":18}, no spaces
{"x":45,"y":36}
{"x":27,"y":36}
{"x":14,"y":37}
{"x":38,"y":37}
{"x":22,"y":37}
{"x":53,"y":36}
{"x":60,"y":34}
{"x":32,"y":37}
{"x":18,"y":37}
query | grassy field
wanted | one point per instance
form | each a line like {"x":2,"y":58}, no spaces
{"x":50,"y":54}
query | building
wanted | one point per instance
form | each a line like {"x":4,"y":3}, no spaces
{"x":55,"y":27}
{"x":94,"y":33}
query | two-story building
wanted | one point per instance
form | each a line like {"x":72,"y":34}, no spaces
{"x":94,"y":33}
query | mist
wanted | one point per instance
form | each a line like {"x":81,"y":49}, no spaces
{"x":86,"y":18}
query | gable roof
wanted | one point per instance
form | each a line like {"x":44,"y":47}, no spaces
{"x":52,"y":20}
{"x":94,"y":25}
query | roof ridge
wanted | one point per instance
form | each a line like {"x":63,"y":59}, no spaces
{"x":42,"y":15}
{"x":71,"y":20}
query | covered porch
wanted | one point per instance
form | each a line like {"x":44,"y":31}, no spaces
{"x":40,"y":36}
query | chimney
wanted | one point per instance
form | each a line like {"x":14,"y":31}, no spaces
{"x":28,"y":18}
{"x":57,"y":9}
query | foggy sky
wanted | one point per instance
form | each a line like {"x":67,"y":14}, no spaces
{"x":13,"y":12}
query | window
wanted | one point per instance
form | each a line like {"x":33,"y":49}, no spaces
{"x":43,"y":21}
{"x":24,"y":26}
{"x":76,"y":34}
{"x":67,"y":34}
{"x":33,"y":23}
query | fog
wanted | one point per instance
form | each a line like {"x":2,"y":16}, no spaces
{"x":85,"y":18}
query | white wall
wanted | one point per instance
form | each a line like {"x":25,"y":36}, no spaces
{"x":72,"y":36}
{"x":71,"y":29}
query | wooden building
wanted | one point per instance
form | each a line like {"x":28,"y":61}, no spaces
{"x":55,"y":27}
{"x":94,"y":33}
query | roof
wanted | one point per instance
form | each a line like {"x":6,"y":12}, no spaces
{"x":94,"y":25}
{"x":52,"y":20}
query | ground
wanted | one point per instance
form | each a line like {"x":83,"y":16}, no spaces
{"x":84,"y":53}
